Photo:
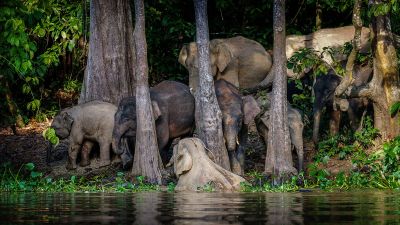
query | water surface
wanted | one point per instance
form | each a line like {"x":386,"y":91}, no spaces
{"x":362,"y":207}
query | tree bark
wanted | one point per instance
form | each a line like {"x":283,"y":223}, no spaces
{"x":348,"y":78}
{"x":278,"y":162}
{"x":109,"y":74}
{"x":383,"y":89}
{"x":12,"y":107}
{"x":208,"y":115}
{"x":147,"y":160}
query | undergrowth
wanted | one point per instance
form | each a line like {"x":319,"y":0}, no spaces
{"x":378,"y":169}
{"x":26,"y":179}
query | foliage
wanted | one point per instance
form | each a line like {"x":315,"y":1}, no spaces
{"x":347,"y":143}
{"x":50,"y":135}
{"x":380,"y":169}
{"x":34,"y":36}
{"x":26,"y":179}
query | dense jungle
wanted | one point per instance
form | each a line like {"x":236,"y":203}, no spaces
{"x":90,"y":64}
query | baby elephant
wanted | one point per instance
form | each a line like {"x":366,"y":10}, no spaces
{"x":83,"y":124}
{"x":237,"y":113}
{"x":173,"y":112}
{"x":295,"y":130}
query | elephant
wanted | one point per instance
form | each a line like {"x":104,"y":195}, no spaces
{"x":194,"y":169}
{"x":83,"y":125}
{"x":238,"y":60}
{"x":173,"y":112}
{"x":296,"y":127}
{"x":237,"y":113}
{"x":324,"y":90}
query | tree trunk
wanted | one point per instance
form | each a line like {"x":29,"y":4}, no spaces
{"x":208,"y":114}
{"x":383,"y":89}
{"x":318,"y":16}
{"x":109,"y":74}
{"x":147,"y":160}
{"x":386,"y":79}
{"x":12,"y":107}
{"x":348,"y":78}
{"x":278,"y":162}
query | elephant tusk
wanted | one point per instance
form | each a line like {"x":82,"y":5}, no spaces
{"x":237,"y":140}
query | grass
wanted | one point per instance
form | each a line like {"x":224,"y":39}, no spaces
{"x":26,"y":179}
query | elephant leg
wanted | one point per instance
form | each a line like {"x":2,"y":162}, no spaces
{"x":105,"y":153}
{"x":85,"y":153}
{"x":73,"y":151}
{"x":240,"y":153}
{"x":126,"y":156}
{"x":334,"y":122}
{"x":162,"y":130}
{"x":317,"y":121}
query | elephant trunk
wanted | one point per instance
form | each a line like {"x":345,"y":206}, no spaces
{"x":317,"y":120}
{"x":193,"y":80}
{"x":231,"y":138}
{"x":116,"y":142}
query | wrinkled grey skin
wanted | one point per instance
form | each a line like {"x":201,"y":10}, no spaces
{"x":238,"y":60}
{"x":83,"y":125}
{"x":173,"y":111}
{"x":324,"y":90}
{"x":296,"y":127}
{"x":237,"y":113}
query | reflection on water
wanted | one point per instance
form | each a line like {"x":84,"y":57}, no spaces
{"x":366,"y":207}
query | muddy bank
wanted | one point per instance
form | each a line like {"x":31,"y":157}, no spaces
{"x":28,"y":145}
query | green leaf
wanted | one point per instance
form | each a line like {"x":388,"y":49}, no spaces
{"x":71,"y":45}
{"x":29,"y":166}
{"x":394,"y":108}
{"x":63,"y":34}
{"x":35,"y":174}
{"x":41,"y":32}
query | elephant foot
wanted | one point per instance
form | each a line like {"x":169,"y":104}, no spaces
{"x":104,"y":163}
{"x":69,"y":166}
{"x":84,"y":163}
{"x":237,"y":169}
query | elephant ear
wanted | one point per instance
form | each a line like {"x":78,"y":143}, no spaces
{"x":222,"y":54}
{"x":183,"y":55}
{"x":183,"y":160}
{"x":250,"y":109}
{"x":156,"y":110}
{"x":68,"y":120}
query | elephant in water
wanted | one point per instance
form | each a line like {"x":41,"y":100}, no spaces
{"x":238,"y":60}
{"x":195,"y":169}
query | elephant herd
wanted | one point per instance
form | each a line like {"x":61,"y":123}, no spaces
{"x":236,"y":63}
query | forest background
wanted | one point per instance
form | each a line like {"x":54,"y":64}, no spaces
{"x":44,"y":44}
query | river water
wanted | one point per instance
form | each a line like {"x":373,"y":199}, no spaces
{"x":361,"y":207}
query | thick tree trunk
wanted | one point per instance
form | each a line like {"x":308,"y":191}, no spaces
{"x":386,"y":79}
{"x":383,"y":89}
{"x":278,"y":162}
{"x":109,"y":74}
{"x":208,"y":114}
{"x":147,"y":160}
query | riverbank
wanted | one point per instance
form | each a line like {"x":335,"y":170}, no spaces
{"x":29,"y":163}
